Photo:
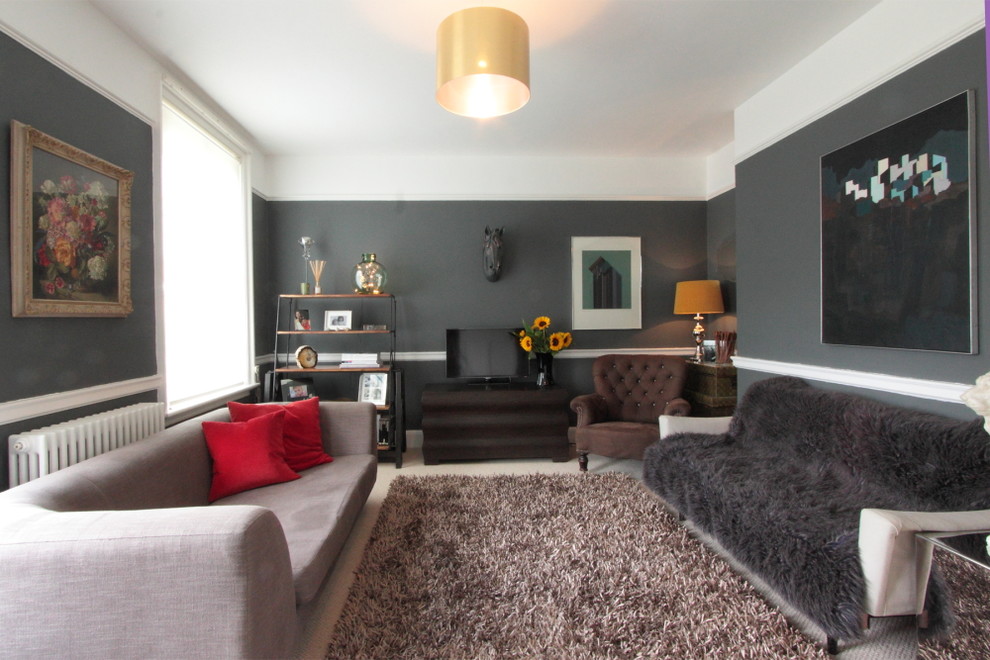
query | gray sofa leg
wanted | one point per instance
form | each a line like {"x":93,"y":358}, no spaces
{"x":583,"y":461}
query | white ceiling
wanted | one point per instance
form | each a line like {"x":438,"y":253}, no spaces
{"x":616,"y":78}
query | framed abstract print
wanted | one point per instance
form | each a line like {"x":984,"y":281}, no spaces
{"x":606,"y":282}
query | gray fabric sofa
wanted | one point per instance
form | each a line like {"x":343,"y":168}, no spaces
{"x":121,"y":557}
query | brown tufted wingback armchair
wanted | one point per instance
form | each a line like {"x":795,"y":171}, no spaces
{"x":631,"y":392}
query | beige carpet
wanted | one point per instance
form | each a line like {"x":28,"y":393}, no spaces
{"x":549,"y":566}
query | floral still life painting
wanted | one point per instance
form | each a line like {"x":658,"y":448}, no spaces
{"x":70,"y":230}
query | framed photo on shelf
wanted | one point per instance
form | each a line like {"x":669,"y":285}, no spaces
{"x":301,"y":321}
{"x":337,"y":319}
{"x":70,"y":229}
{"x":373,"y":388}
{"x":295,"y":389}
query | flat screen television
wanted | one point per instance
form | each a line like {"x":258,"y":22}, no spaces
{"x":485,"y":355}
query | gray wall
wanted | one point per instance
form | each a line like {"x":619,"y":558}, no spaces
{"x":264,"y":288}
{"x":49,"y":355}
{"x":778,"y":228}
{"x":432,"y":251}
{"x":721,"y":219}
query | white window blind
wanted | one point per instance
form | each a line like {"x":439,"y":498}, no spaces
{"x":206,"y":262}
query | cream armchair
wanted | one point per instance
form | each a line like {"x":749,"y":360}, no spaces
{"x":897,"y":564}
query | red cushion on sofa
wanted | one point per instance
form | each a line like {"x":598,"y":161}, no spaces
{"x":302,"y":436}
{"x":247,"y":454}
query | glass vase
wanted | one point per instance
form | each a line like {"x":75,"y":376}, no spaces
{"x":369,"y":275}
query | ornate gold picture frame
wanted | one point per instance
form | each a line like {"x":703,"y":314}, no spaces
{"x":70,"y":229}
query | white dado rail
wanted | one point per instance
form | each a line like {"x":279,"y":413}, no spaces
{"x":13,"y":411}
{"x":20,"y":409}
{"x":569,"y":354}
{"x":916,"y":387}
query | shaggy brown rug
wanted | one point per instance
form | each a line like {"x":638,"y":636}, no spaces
{"x":969,"y":587}
{"x":548,"y":566}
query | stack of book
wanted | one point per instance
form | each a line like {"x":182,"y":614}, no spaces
{"x":359,"y":361}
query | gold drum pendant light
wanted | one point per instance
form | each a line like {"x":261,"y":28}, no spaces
{"x":483,"y":62}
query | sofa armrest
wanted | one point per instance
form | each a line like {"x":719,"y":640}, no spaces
{"x":671,"y":424}
{"x":590,"y":409}
{"x":196,"y":582}
{"x":677,"y":407}
{"x":349,"y":427}
{"x":895,"y":563}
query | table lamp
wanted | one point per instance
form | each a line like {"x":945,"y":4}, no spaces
{"x":698,"y":297}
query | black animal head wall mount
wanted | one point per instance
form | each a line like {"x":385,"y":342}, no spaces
{"x":492,"y":253}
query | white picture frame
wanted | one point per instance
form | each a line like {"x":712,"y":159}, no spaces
{"x":606,"y":283}
{"x":337,"y":319}
{"x":373,"y":388}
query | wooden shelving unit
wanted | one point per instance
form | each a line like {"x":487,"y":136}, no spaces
{"x":392,"y":413}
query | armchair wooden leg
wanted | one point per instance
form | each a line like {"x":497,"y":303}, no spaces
{"x":583,"y":461}
{"x":832,"y":645}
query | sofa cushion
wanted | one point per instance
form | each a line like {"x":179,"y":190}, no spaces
{"x":317,"y":512}
{"x":671,"y":424}
{"x":301,"y":434}
{"x":247,"y":454}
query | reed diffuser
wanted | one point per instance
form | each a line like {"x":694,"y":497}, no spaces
{"x":316,"y":266}
{"x":725,"y":346}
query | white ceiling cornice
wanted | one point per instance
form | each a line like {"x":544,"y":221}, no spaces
{"x":862,"y":57}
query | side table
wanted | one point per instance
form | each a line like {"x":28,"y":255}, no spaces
{"x":978,"y":542}
{"x":972,"y":546}
{"x":711,"y":389}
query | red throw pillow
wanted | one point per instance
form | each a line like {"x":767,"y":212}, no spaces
{"x":302,"y":436}
{"x":247,"y":454}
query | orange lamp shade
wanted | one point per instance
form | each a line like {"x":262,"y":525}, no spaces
{"x":698,"y":297}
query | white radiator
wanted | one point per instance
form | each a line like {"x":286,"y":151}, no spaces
{"x":39,"y":452}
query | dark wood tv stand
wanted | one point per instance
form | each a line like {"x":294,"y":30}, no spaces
{"x":477,"y":421}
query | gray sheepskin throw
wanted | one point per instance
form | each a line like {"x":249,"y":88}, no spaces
{"x":782,"y":491}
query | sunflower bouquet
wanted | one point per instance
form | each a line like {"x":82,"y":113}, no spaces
{"x":537,"y":337}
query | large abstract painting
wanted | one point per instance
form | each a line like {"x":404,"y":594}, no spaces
{"x":898,"y":260}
